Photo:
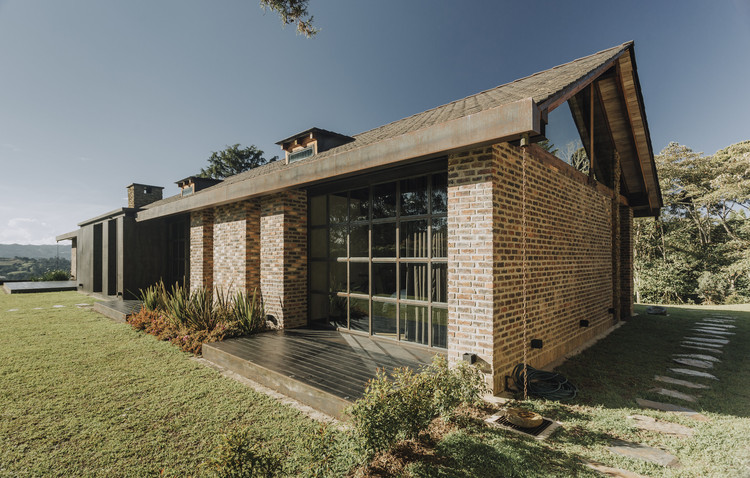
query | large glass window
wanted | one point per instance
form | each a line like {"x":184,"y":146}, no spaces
{"x":379,"y":255}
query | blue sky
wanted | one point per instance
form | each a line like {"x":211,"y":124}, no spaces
{"x":97,"y":94}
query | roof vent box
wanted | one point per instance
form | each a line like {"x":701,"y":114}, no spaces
{"x":311,"y":142}
{"x":193,"y":184}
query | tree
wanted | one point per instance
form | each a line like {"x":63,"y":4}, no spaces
{"x":233,"y":160}
{"x":292,"y":11}
{"x":699,"y":247}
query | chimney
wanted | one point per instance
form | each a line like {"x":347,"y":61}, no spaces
{"x":141,"y":194}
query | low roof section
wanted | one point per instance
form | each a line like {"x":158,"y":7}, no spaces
{"x":505,"y":113}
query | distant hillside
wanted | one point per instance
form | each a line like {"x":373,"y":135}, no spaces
{"x":35,"y":252}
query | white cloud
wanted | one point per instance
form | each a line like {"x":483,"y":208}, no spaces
{"x":23,"y":230}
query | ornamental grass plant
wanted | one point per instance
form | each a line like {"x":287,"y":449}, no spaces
{"x":189,"y":319}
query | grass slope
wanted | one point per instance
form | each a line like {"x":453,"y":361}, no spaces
{"x":84,"y":396}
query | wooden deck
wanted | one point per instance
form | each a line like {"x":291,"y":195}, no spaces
{"x":325,"y":369}
{"x":40,"y":286}
{"x":118,"y":309}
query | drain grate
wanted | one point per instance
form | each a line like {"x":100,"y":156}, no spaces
{"x":539,"y":432}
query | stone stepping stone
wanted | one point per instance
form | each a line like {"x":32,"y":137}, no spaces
{"x":677,"y":381}
{"x":703,"y":344}
{"x":693,"y":373}
{"x":654,"y":425}
{"x":718,"y":320}
{"x":612,"y":472}
{"x":674,"y":394}
{"x":711,"y":332}
{"x":710,"y":341}
{"x":668,"y":407}
{"x":705,"y":364}
{"x":710,"y":358}
{"x":702,"y":349}
{"x":643,"y":452}
{"x":38,"y":308}
{"x":12,"y":310}
{"x":716,"y":326}
{"x":58,"y":306}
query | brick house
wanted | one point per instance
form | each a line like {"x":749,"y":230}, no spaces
{"x":423,"y":231}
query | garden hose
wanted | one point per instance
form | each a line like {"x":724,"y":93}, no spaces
{"x":542,"y":384}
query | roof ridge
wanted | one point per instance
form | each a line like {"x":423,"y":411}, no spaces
{"x":620,"y":47}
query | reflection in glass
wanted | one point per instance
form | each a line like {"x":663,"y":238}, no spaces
{"x":359,"y":315}
{"x":359,"y":205}
{"x":414,"y":196}
{"x":440,"y":237}
{"x":318,"y":211}
{"x":337,"y":205}
{"x":414,"y":281}
{"x":384,"y":318}
{"x":359,"y":277}
{"x":439,"y":327}
{"x":337,"y":242}
{"x":439,"y":282}
{"x":318,"y":306}
{"x":439,"y":194}
{"x":318,"y":274}
{"x":337,"y":314}
{"x":414,"y":239}
{"x":359,"y":244}
{"x":384,"y":240}
{"x":384,"y":200}
{"x":338,"y":277}
{"x":414,"y":323}
{"x":319,"y":243}
{"x":384,"y":279}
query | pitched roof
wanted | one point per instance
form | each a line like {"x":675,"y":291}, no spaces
{"x":543,"y":88}
{"x":540,"y":87}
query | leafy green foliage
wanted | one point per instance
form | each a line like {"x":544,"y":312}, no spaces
{"x":233,"y":160}
{"x":53,"y":275}
{"x":699,"y":248}
{"x":190,"y":319}
{"x":402,"y":406}
{"x":292,"y":11}
{"x":241,"y":455}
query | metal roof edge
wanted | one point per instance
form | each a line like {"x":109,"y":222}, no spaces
{"x":501,"y":123}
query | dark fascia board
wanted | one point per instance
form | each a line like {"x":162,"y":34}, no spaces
{"x":68,"y":236}
{"x":108,"y":215}
{"x":323,"y":132}
{"x":503,"y":123}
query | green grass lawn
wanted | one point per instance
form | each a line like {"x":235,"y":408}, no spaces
{"x":83,"y":396}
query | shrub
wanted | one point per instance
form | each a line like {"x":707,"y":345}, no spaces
{"x":54,"y":275}
{"x":452,"y":387}
{"x":248,"y":312}
{"x":154,"y":297}
{"x":240,"y":455}
{"x":402,"y":407}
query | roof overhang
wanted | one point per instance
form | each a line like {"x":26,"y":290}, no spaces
{"x":108,"y":215}
{"x":507,"y":122}
{"x":620,"y":102}
{"x":68,"y":236}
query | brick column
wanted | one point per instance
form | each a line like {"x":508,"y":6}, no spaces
{"x":626,"y":262}
{"x":201,"y":249}
{"x":472,"y":184}
{"x":283,"y":257}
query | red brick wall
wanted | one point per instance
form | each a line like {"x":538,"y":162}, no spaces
{"x":473,"y":182}
{"x":626,"y":262}
{"x":569,"y":257}
{"x":237,"y":247}
{"x":201,"y":249}
{"x":283,"y":257}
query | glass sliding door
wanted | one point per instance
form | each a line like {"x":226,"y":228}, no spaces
{"x":378,"y":259}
